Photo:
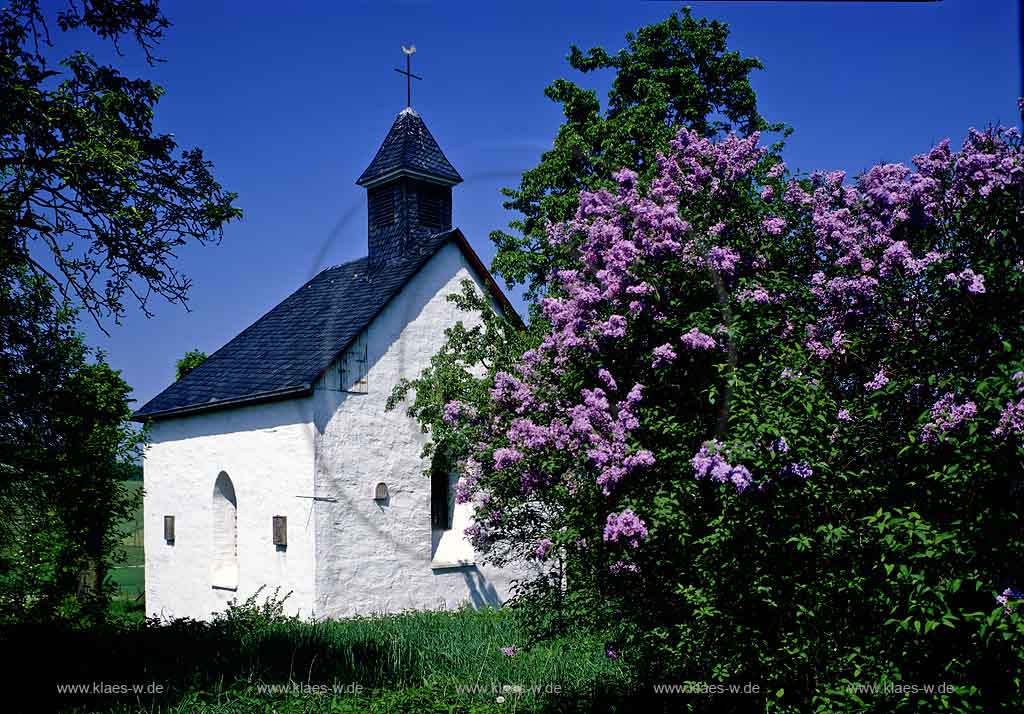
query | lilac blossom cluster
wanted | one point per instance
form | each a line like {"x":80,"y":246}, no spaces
{"x":800,"y":469}
{"x":947,"y":416}
{"x":620,"y":566}
{"x":625,"y":528}
{"x":1005,"y":597}
{"x":759,"y":295}
{"x":697,"y":340}
{"x":663,"y":355}
{"x":877,"y":382}
{"x":709,"y":464}
{"x":860,"y":230}
{"x":969,"y":280}
{"x":1011,"y":420}
{"x":456,"y":410}
{"x":505,"y":458}
{"x":470,"y":472}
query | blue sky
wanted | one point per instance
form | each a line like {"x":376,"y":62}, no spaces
{"x":291,"y":106}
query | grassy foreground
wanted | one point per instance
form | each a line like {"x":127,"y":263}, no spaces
{"x":415,"y":662}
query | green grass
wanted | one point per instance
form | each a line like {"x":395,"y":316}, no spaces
{"x":423,"y":661}
{"x":131,"y":580}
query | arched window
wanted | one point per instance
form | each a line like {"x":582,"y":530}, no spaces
{"x":224,"y":566}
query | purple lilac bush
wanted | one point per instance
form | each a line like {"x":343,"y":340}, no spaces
{"x":774,"y":430}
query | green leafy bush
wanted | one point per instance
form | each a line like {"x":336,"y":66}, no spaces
{"x":773,"y":434}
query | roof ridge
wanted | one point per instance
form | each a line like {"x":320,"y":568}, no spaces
{"x":341,"y":265}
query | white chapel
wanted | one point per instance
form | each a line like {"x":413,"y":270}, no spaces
{"x":275,"y":463}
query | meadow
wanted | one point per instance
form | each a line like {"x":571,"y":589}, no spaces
{"x":252,"y":658}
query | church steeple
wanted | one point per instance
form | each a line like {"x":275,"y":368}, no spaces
{"x":409,"y":190}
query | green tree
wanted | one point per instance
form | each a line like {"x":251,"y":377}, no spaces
{"x":191,"y":360}
{"x":675,"y":73}
{"x":672,"y":74}
{"x":64,"y":439}
{"x":94,"y":205}
{"x":90,"y":195}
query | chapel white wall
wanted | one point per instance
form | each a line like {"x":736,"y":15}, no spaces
{"x":372,"y":557}
{"x":267,"y":450}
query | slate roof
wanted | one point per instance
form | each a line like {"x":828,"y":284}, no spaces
{"x":284,"y":352}
{"x":409,"y":149}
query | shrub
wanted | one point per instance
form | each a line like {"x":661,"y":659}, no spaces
{"x":773,"y":434}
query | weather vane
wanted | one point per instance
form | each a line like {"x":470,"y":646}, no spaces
{"x":409,"y":76}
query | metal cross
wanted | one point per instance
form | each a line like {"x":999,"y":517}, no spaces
{"x":409,"y":76}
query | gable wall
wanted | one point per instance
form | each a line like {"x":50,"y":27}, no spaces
{"x":267,"y":451}
{"x":377,"y":557}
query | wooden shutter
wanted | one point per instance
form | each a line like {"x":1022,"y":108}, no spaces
{"x":280,"y":530}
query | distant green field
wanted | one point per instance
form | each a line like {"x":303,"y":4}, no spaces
{"x":130,"y":575}
{"x":134,"y":524}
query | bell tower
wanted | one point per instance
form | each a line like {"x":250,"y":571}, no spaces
{"x":408,"y":187}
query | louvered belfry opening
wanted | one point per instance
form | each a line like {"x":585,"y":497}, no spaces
{"x":383,"y":204}
{"x":434,"y":208}
{"x":409,"y":191}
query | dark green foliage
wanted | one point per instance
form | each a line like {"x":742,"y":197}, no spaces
{"x":84,"y":179}
{"x":131,"y":471}
{"x":674,"y":73}
{"x":64,"y":442}
{"x":191,"y":360}
{"x":93,"y":205}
